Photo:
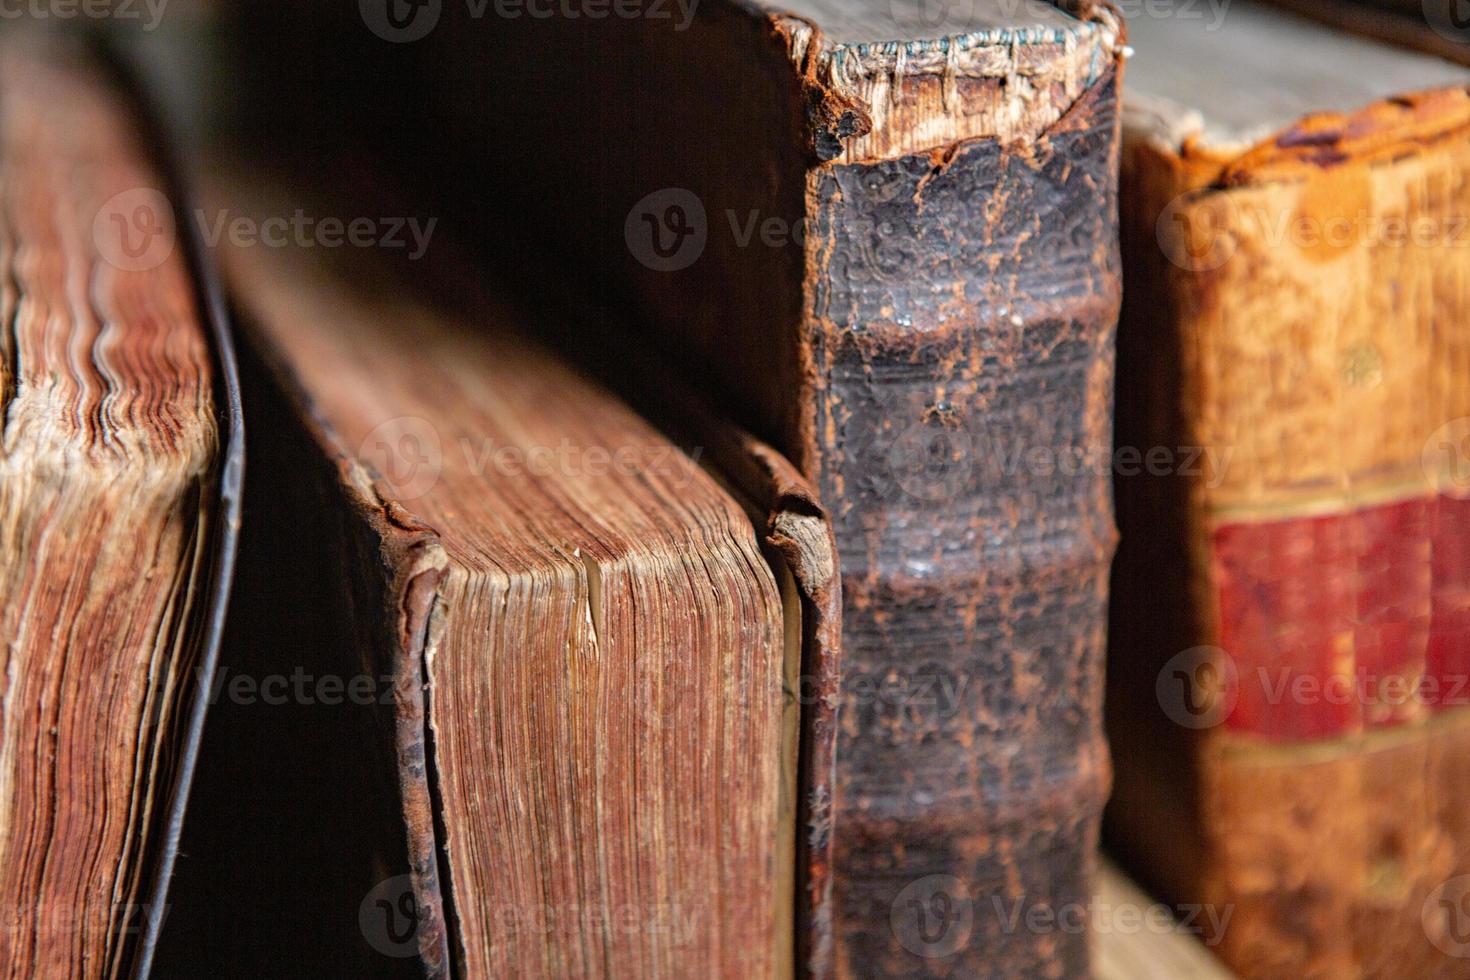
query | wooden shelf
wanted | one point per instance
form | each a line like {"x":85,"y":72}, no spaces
{"x":1143,"y":953}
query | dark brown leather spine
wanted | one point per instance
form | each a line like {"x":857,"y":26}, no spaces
{"x":972,"y":768}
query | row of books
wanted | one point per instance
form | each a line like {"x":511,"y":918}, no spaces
{"x":718,"y":488}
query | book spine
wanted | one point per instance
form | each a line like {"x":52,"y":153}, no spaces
{"x":1289,"y":635}
{"x":961,"y":312}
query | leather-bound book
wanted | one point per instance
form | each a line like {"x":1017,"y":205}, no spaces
{"x":1291,"y":600}
{"x":888,"y":241}
{"x":118,"y":468}
{"x":582,"y":643}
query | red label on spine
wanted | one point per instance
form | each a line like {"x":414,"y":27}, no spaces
{"x":1347,"y":622}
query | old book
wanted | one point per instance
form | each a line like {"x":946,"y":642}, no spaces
{"x":1289,"y":638}
{"x":592,"y":642}
{"x":888,"y":241}
{"x":119,"y":467}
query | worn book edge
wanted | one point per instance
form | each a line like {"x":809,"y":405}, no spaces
{"x":167,"y":159}
{"x":888,"y":99}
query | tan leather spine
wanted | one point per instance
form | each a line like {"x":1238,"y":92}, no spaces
{"x":1315,"y":289}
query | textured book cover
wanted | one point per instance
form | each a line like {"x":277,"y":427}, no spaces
{"x":579,"y":756}
{"x":1289,"y":632}
{"x":890,"y":245}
